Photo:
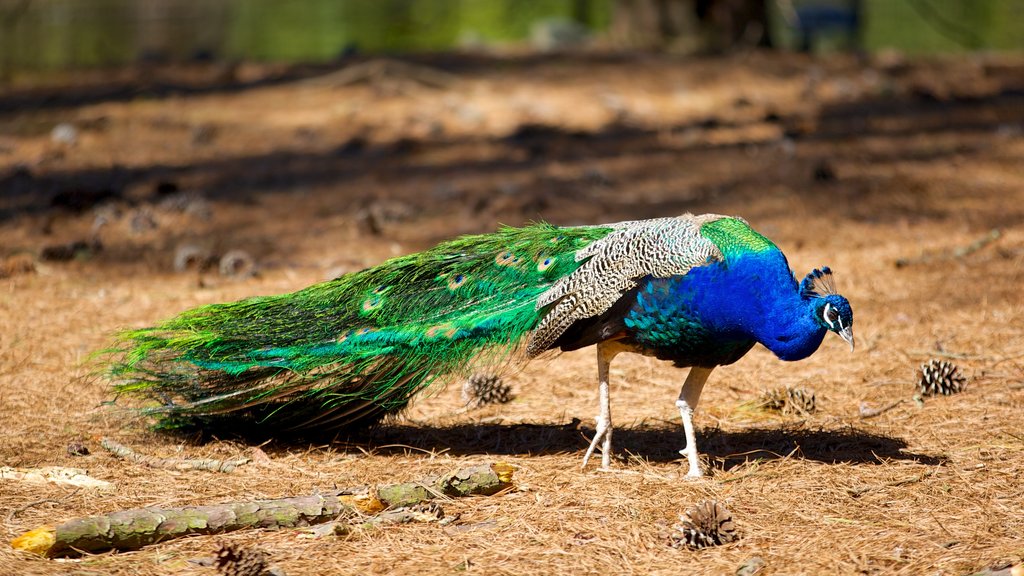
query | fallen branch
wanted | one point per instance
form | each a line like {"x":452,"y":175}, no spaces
{"x":54,"y":474}
{"x":135,"y":528}
{"x":385,"y":71}
{"x":126,"y":453}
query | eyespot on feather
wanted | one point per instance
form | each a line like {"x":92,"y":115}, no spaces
{"x":455,"y":281}
{"x":435,"y":331}
{"x":545,"y":263}
{"x":507,"y":259}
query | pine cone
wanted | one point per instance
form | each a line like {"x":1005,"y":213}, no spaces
{"x":77,"y":449}
{"x":237,"y":264}
{"x":789,"y":400}
{"x":235,"y":560}
{"x":483,"y":389}
{"x":428,"y":511}
{"x":706,"y":524}
{"x":940,"y":377}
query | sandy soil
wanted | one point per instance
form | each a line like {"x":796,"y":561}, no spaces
{"x":895,"y":173}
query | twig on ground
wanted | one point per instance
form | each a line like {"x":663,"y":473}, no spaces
{"x":34,"y":503}
{"x":125,"y":453}
{"x":866,"y":411}
{"x":135,"y":528}
{"x":954,"y":254}
{"x":913,"y":479}
{"x":950,"y":355}
{"x":856,"y":492}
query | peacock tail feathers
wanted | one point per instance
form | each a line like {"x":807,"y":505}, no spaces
{"x":357,"y":347}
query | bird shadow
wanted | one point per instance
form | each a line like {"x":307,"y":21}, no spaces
{"x":727,"y":449}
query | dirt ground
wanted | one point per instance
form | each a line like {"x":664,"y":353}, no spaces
{"x":898,"y":174}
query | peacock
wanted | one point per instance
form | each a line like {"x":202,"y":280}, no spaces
{"x":696,"y":290}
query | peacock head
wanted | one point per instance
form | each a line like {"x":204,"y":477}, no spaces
{"x":831,"y":310}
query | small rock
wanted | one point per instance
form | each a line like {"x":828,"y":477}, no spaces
{"x":64,"y":133}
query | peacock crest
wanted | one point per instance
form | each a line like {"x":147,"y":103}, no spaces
{"x":818,"y":283}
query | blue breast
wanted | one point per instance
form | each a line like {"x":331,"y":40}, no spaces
{"x":715,"y":313}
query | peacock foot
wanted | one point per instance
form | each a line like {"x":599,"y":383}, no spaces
{"x":603,"y":436}
{"x":691,"y":456}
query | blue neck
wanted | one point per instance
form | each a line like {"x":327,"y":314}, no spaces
{"x":755,"y":296}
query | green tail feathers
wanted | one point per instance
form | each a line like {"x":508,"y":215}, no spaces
{"x":354,"y":349}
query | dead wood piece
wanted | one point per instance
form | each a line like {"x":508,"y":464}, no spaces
{"x":387,"y":72}
{"x":54,"y":474}
{"x":126,"y":453}
{"x":135,"y":528}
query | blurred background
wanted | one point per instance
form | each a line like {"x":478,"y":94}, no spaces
{"x":48,"y":35}
{"x":157,"y":155}
{"x":167,"y":133}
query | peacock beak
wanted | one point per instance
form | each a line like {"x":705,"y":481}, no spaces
{"x":846,"y":333}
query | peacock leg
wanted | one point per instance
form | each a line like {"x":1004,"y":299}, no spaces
{"x":687,"y":403}
{"x":605,"y":353}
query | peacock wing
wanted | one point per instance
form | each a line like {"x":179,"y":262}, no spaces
{"x":614,"y":264}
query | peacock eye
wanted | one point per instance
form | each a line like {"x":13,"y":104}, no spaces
{"x":831,"y":315}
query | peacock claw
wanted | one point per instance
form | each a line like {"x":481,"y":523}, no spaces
{"x":603,"y":435}
{"x":695,"y":472}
